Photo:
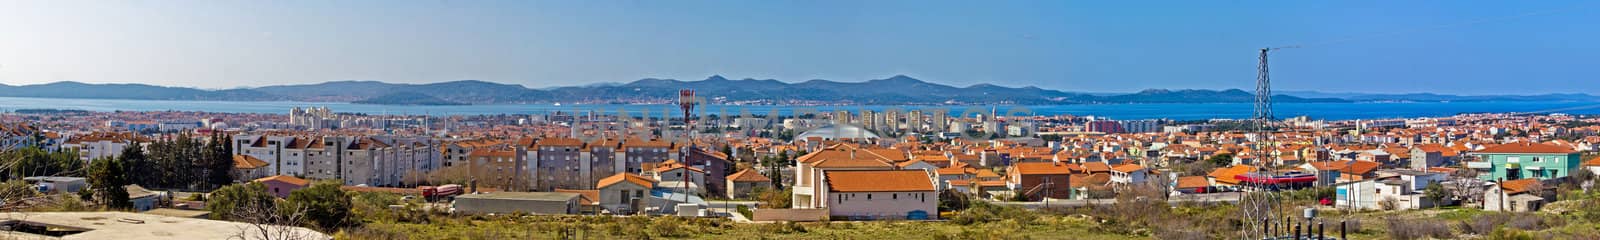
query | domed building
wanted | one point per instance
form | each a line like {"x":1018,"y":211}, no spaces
{"x":835,"y":132}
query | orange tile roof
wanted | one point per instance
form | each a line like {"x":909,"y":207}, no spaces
{"x":836,"y":158}
{"x":1520,"y":185}
{"x":1085,"y":180}
{"x":588,"y":197}
{"x":1094,"y":167}
{"x":955,"y":170}
{"x":879,"y":181}
{"x":247,"y":162}
{"x":1031,"y":168}
{"x":1193,"y":182}
{"x":1592,"y":162}
{"x":1527,"y":147}
{"x":286,"y":179}
{"x":631,"y":178}
{"x":986,"y":173}
{"x":748,"y":175}
{"x":1226,"y":175}
{"x":1128,"y":168}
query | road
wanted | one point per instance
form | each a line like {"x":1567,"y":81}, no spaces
{"x":1207,"y":197}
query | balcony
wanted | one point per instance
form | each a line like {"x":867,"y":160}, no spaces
{"x":1479,"y":165}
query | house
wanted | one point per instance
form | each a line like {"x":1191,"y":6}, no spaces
{"x":248,"y":167}
{"x":625,"y":193}
{"x":1129,"y":174}
{"x":281,"y":185}
{"x":1038,"y":180}
{"x":1521,"y":195}
{"x":552,"y":203}
{"x":1520,"y":160}
{"x":741,"y":184}
{"x":1431,"y":155}
{"x":678,"y":177}
{"x":1398,"y":189}
{"x":880,"y":194}
{"x":811,"y":172}
{"x":1192,"y":184}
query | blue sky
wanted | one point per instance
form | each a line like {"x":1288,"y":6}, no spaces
{"x":1464,"y":47}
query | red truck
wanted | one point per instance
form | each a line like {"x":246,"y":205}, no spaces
{"x":432,"y":193}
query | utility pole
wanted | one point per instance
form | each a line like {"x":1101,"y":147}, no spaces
{"x":1263,"y":203}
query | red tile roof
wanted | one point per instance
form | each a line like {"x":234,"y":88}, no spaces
{"x":621,"y":177}
{"x":1032,"y":168}
{"x":879,"y":181}
{"x":1527,"y":147}
{"x":286,"y":179}
{"x":1226,"y":175}
{"x":1193,"y":182}
{"x":1592,"y":162}
{"x":748,"y":175}
{"x":1520,"y":185}
{"x":247,"y":162}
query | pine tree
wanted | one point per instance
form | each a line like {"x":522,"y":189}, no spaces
{"x":221,"y":166}
{"x":107,"y":178}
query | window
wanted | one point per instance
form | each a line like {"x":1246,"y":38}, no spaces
{"x":894,"y":196}
{"x":869,"y":196}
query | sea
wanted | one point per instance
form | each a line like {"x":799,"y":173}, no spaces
{"x":1174,"y":111}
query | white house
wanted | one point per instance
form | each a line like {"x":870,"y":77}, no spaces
{"x":1129,"y":174}
{"x":625,"y":193}
{"x":1402,"y":188}
{"x":880,"y":194}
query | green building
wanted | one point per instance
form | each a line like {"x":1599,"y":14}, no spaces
{"x":1520,"y":160}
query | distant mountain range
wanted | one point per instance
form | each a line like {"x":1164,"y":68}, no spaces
{"x":894,"y":90}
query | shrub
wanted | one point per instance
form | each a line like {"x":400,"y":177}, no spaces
{"x":1406,"y":229}
{"x":1483,"y":224}
{"x":1534,"y":222}
{"x":743,"y":210}
{"x":668,"y":227}
{"x":1509,"y":234}
{"x":1388,"y":203}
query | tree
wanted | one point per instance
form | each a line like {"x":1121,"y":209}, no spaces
{"x":1466,"y":186}
{"x":771,"y":198}
{"x":107,"y":177}
{"x":135,"y":161}
{"x":326,"y":206}
{"x":1436,"y":193}
{"x":1225,"y":159}
{"x":225,"y":201}
{"x":220,"y":166}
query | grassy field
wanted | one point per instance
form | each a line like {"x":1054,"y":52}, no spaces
{"x":1572,"y":218}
